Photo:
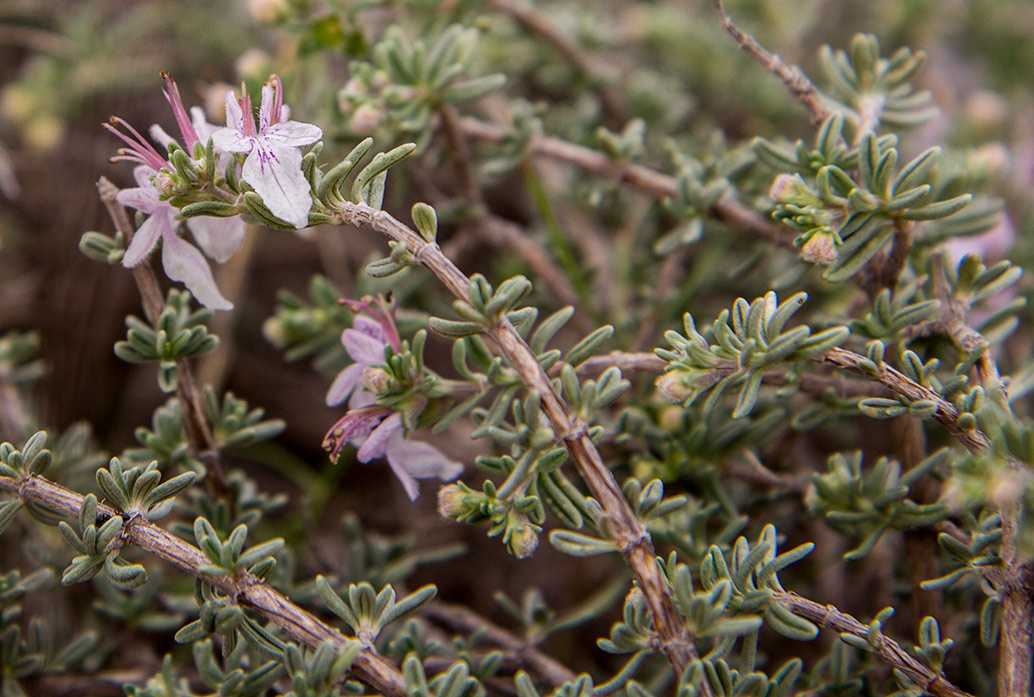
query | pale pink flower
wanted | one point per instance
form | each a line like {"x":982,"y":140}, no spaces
{"x":375,"y":430}
{"x":273,"y":166}
{"x":218,"y":237}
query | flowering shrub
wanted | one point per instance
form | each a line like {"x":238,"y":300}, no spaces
{"x":763,"y":386}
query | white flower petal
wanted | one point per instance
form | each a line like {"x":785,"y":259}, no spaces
{"x":276,"y":175}
{"x":363,"y":348}
{"x":344,"y":384}
{"x":408,"y":480}
{"x":218,"y":238}
{"x":142,"y":198}
{"x":377,"y":442}
{"x":202,"y":127}
{"x":266,"y":107}
{"x":232,"y":140}
{"x":145,"y":239}
{"x":234,"y":115}
{"x":183,"y":262}
{"x":293,"y":133}
{"x":160,"y":136}
{"x":421,"y":459}
{"x":411,"y":459}
{"x":362,"y":398}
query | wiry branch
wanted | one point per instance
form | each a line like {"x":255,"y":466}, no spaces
{"x":539,"y":25}
{"x":726,"y":210}
{"x":629,"y":534}
{"x":886,"y":648}
{"x":463,"y":619}
{"x":799,"y":85}
{"x":199,"y":434}
{"x":245,"y":589}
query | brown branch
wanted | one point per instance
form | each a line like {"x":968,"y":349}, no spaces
{"x":802,"y":89}
{"x":245,"y":589}
{"x":199,"y":434}
{"x":631,"y":538}
{"x":887,"y":649}
{"x":726,"y":209}
{"x":537,"y":24}
{"x":1013,"y":583}
{"x":499,"y":231}
{"x":947,"y":415}
{"x":458,"y":617}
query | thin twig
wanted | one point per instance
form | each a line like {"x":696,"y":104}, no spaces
{"x":245,"y":589}
{"x":460,"y":618}
{"x":537,"y":24}
{"x":802,"y":89}
{"x":199,"y":434}
{"x":497,"y":230}
{"x":726,"y":209}
{"x":630,"y":536}
{"x":947,"y":415}
{"x":886,"y":648}
{"x":1013,"y":580}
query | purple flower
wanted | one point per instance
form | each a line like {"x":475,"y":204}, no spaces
{"x":273,"y":166}
{"x":375,"y":430}
{"x":218,"y":237}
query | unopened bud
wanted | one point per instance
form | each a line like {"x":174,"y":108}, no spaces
{"x":450,"y":501}
{"x":1006,"y":489}
{"x":674,"y":386}
{"x":986,"y":110}
{"x":821,"y":248}
{"x":163,"y":183}
{"x":375,"y":379}
{"x":523,"y":542}
{"x":992,"y":158}
{"x":253,"y":63}
{"x":365,"y":119}
{"x":784,"y":187}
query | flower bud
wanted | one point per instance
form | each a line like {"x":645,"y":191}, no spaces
{"x":674,"y":386}
{"x":365,"y":119}
{"x":784,"y":187}
{"x":821,"y":248}
{"x":375,"y":379}
{"x":163,"y":183}
{"x":450,"y":501}
{"x":252,"y":63}
{"x":523,"y":542}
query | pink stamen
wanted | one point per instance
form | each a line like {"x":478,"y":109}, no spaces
{"x":172,"y":93}
{"x":385,"y":318}
{"x":247,"y":113}
{"x":139,"y":149}
{"x":278,"y":99}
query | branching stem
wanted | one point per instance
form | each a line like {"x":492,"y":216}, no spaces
{"x":199,"y":434}
{"x":624,"y":527}
{"x":296,"y":623}
{"x":802,"y":89}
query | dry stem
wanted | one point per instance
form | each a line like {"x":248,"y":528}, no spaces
{"x":886,"y":648}
{"x":630,"y":536}
{"x":540,"y":25}
{"x":802,"y":89}
{"x":199,"y":434}
{"x":245,"y":589}
{"x":525,"y":652}
{"x":726,"y":209}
